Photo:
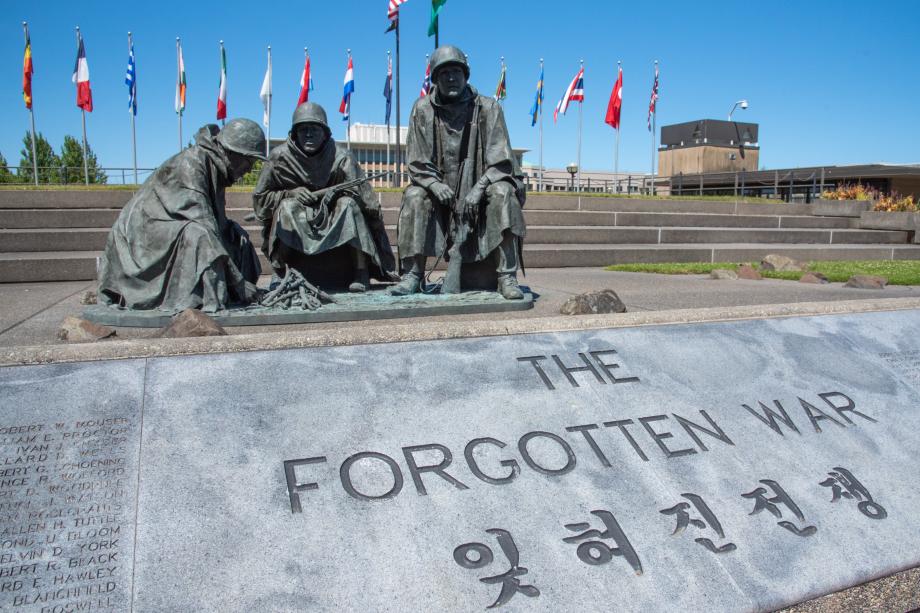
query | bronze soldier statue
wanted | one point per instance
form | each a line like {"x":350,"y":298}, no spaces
{"x":172,"y":246}
{"x":336,"y":239}
{"x":465,"y":185}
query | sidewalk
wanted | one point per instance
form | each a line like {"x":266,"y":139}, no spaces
{"x":31,"y":313}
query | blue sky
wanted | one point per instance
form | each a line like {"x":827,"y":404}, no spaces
{"x":828,"y":82}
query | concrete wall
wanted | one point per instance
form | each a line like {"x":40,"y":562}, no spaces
{"x":705,"y":158}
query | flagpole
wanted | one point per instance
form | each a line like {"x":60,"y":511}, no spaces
{"x":654,"y":117}
{"x":133,"y":106}
{"x":348,"y":109}
{"x":581,"y":104}
{"x":616,"y":151}
{"x":398,"y":182}
{"x":25,"y":30}
{"x":268,"y":128}
{"x":178,"y":84}
{"x":540,"y":110}
{"x":388,"y":116}
{"x":83,"y":113}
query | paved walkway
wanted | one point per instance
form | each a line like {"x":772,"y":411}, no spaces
{"x":31,"y":313}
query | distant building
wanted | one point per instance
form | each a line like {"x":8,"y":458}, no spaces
{"x":708,"y":145}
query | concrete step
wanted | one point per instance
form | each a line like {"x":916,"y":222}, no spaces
{"x":21,"y":267}
{"x":76,"y":239}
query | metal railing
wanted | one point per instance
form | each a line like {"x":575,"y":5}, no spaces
{"x":72,"y":175}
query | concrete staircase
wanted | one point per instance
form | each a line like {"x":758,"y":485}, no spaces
{"x":57,"y":235}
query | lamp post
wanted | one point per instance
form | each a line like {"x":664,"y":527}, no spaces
{"x":742,"y":103}
{"x":573,"y":169}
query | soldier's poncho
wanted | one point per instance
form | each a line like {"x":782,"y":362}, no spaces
{"x":308,"y":229}
{"x":172,"y":246}
{"x":434,"y":153}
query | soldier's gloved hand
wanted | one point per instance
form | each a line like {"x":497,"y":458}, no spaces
{"x":305,"y":196}
{"x":441,"y":193}
{"x":372,"y":211}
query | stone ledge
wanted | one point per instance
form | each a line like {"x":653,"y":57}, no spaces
{"x":403,"y":332}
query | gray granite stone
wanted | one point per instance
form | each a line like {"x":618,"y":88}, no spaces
{"x":217,"y":527}
{"x":69,"y":442}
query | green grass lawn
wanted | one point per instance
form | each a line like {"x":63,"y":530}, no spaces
{"x":898,"y":272}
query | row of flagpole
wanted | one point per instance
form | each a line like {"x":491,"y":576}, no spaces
{"x":574,"y":93}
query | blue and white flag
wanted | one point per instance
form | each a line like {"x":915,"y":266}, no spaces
{"x":131,"y":81}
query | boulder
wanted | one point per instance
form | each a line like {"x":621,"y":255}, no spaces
{"x":593,"y":303}
{"x":866,"y":282}
{"x":813,"y":277}
{"x":746,"y":271}
{"x":76,"y":330}
{"x":192,"y":322}
{"x":723,"y":273}
{"x":780,"y":262}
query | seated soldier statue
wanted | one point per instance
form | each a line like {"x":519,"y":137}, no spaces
{"x":172,"y":246}
{"x":465,"y":185}
{"x":335,"y":239}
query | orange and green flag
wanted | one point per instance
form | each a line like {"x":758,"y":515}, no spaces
{"x":27,"y":73}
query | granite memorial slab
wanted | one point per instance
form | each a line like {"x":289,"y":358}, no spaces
{"x":739,"y":466}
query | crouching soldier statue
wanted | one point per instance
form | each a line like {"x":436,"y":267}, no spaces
{"x":317,"y":215}
{"x":172,"y":246}
{"x":465,"y":199}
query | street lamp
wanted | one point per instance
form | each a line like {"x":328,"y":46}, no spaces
{"x":572,"y":168}
{"x":742,"y":103}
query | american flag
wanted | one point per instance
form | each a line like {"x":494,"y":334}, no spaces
{"x":393,"y":10}
{"x":575,"y":92}
{"x":426,"y":84}
{"x":654,"y":100}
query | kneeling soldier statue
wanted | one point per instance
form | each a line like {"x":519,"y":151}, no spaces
{"x":465,"y":199}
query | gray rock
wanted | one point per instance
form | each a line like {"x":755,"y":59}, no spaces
{"x":593,"y":303}
{"x":88,"y":297}
{"x":813,"y":277}
{"x":746,"y":271}
{"x":723,"y":274}
{"x":781,"y":262}
{"x":866,"y":282}
{"x":76,"y":330}
{"x":192,"y":322}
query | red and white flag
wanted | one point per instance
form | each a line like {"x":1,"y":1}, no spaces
{"x":575,"y":92}
{"x":654,"y":101}
{"x":306,"y":81}
{"x":616,"y":103}
{"x":222,"y":91}
{"x":81,"y":78}
{"x":393,"y":9}
{"x":426,"y":83}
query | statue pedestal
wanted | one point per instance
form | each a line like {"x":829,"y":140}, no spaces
{"x":375,"y":304}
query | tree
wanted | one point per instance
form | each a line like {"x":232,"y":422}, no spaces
{"x":72,"y":160}
{"x":49,"y":164}
{"x":251,"y":177}
{"x":5,"y":175}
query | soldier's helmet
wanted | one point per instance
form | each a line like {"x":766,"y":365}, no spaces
{"x":310,"y":112}
{"x":448,"y":54}
{"x":243,"y":136}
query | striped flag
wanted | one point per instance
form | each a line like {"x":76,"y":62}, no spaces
{"x":181,"y":83}
{"x":27,"y":73}
{"x":501,"y":90}
{"x":81,"y":78}
{"x":306,"y":82}
{"x":348,"y":90}
{"x":393,"y":9}
{"x":222,"y":89}
{"x":131,"y":81}
{"x":537,"y":109}
{"x":575,"y":92}
{"x":654,"y":101}
{"x":388,"y":89}
{"x":426,"y":83}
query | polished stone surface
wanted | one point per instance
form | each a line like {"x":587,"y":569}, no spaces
{"x":223,"y":526}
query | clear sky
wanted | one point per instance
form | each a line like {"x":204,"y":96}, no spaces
{"x":828,"y":82}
